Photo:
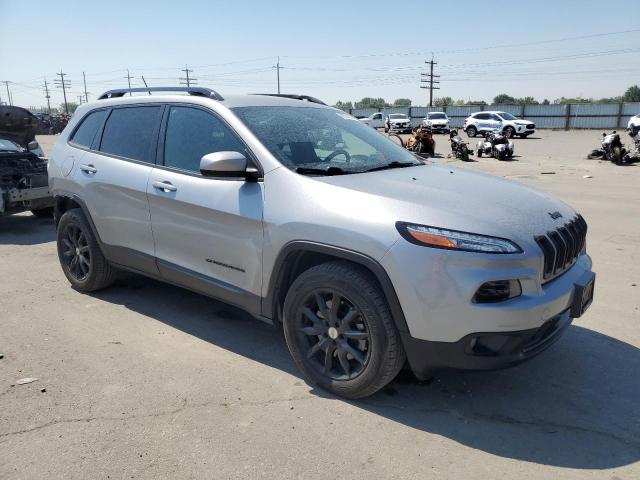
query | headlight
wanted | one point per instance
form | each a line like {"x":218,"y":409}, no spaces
{"x":454,"y":240}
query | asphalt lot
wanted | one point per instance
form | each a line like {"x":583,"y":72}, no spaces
{"x":145,"y":380}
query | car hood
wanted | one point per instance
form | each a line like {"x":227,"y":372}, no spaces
{"x":455,"y":198}
{"x":522,"y":122}
{"x":398,"y":120}
{"x":439,"y":121}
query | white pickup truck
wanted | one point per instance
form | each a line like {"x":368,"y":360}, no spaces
{"x":375,"y":120}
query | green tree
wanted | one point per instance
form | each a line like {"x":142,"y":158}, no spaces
{"x":632,"y":94}
{"x":402,"y":102}
{"x":346,"y":106}
{"x":526,"y":101}
{"x":504,"y":99}
{"x":443,"y":101}
{"x":546,"y":101}
{"x":369,"y":102}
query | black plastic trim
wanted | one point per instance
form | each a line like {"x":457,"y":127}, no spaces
{"x":280,"y":267}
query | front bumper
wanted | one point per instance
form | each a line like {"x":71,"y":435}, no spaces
{"x":484,"y":350}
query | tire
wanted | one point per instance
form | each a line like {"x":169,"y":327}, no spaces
{"x":617,"y":155}
{"x":43,"y":212}
{"x":366,"y":353}
{"x":479,"y":152}
{"x":509,"y":132}
{"x":501,"y":156}
{"x":472,"y":131}
{"x":465,"y":155}
{"x":396,"y":139}
{"x":80,"y":256}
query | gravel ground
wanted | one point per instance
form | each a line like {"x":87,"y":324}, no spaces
{"x":145,"y":380}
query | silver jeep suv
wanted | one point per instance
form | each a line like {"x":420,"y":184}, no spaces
{"x":303,"y":216}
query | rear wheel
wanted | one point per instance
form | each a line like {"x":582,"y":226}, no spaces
{"x":479,"y":152}
{"x":472,"y":131}
{"x":465,"y":155}
{"x":80,"y":256}
{"x":340,"y":331}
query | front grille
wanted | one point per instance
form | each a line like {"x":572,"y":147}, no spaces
{"x":562,"y":247}
{"x":531,"y":126}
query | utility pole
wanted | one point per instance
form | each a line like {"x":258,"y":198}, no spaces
{"x":6,"y":84}
{"x":79,"y":99}
{"x":431,"y":80}
{"x":63,"y":84}
{"x":86,"y":95}
{"x":278,"y":67}
{"x":187,"y":80}
{"x":129,"y":77}
{"x":47,"y":96}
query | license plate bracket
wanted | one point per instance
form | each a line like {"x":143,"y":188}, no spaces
{"x":583,"y":294}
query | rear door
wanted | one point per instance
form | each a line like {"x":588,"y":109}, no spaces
{"x":208,"y":231}
{"x":113,"y":176}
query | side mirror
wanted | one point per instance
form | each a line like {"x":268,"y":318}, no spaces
{"x":226,"y":165}
{"x":33,"y":145}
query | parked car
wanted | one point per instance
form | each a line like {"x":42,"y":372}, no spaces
{"x":397,"y":123}
{"x":503,"y":122}
{"x":437,"y":121}
{"x":301,"y":215}
{"x":23,"y":181}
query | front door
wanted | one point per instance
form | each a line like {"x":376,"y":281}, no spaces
{"x":208,"y":231}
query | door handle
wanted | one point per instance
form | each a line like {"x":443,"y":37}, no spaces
{"x":165,"y":186}
{"x":88,"y":168}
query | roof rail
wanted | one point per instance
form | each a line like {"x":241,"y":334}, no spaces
{"x":197,"y":91}
{"x":308,"y":98}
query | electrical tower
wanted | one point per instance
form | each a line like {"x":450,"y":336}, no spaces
{"x":187,"y":80}
{"x":6,"y":84}
{"x":47,"y":96}
{"x":430,"y":81}
{"x":64,"y":85}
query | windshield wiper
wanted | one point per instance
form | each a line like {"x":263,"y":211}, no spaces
{"x":322,"y":171}
{"x":394,"y":164}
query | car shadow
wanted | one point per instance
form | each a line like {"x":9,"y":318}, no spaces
{"x":26,"y":229}
{"x":575,"y":406}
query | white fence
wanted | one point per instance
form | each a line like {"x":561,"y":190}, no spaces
{"x":577,"y":115}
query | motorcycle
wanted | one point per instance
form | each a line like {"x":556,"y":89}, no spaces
{"x":495,"y":145}
{"x":421,"y":141}
{"x":611,"y":149}
{"x":633,"y":156}
{"x":459,"y":148}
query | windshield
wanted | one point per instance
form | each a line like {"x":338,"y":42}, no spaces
{"x":8,"y":146}
{"x":436,"y":116}
{"x":397,"y":116}
{"x":507,"y":116}
{"x":304,"y":138}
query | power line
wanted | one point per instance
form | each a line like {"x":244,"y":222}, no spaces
{"x":186,"y":80}
{"x":431,"y":80}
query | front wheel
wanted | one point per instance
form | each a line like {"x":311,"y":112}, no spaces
{"x":479,"y":152}
{"x":509,"y":132}
{"x":617,"y":155}
{"x":80,"y":256}
{"x":465,"y":155}
{"x":340,"y":332}
{"x":472,"y":131}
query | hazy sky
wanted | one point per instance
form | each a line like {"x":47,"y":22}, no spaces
{"x":330,"y":49}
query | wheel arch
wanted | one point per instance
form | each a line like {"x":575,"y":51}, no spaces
{"x":298,"y":256}
{"x":67,"y":201}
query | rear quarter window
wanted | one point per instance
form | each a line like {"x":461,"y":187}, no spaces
{"x":131,"y":132}
{"x":88,"y":129}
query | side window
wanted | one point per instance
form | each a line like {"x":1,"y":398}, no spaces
{"x":193,"y":133}
{"x":377,"y":116}
{"x":86,"y":132}
{"x":130,"y":132}
{"x":496,"y":118}
{"x":482,"y":116}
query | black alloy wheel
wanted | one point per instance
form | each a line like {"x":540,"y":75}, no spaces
{"x":335,"y":334}
{"x":76,"y":252}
